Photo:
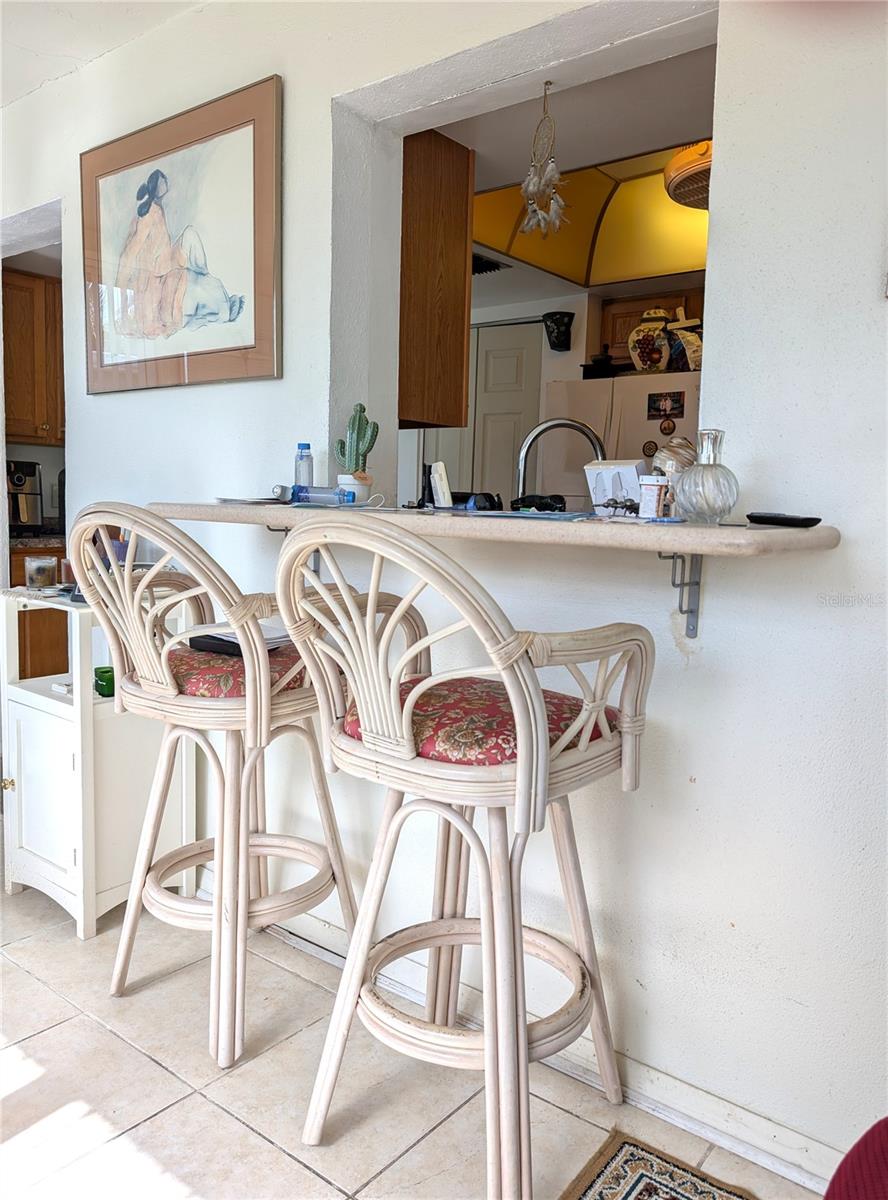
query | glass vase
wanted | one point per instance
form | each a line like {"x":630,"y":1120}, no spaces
{"x":708,"y":490}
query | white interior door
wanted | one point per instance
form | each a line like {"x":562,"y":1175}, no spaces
{"x":455,"y":447}
{"x":507,"y":404}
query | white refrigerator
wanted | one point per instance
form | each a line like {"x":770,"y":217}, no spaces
{"x":632,"y":414}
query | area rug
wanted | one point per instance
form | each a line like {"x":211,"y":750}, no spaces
{"x":625,"y":1169}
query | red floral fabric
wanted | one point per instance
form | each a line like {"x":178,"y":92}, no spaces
{"x":469,"y":721}
{"x":218,"y":676}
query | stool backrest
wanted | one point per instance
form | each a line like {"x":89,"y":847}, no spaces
{"x":341,"y":633}
{"x":133,"y":603}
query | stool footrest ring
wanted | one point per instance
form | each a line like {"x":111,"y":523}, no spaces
{"x":191,"y":913}
{"x":464,"y":1048}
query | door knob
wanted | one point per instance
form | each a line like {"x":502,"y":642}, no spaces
{"x":7,"y":785}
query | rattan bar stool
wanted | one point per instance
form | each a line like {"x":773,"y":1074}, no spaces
{"x":458,"y":740}
{"x":250,"y":700}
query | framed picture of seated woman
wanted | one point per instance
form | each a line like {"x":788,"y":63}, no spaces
{"x":181,"y":247}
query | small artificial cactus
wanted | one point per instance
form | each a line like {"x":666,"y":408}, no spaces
{"x":352,"y":450}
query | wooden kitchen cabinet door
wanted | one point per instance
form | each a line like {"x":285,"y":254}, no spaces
{"x":619,"y":317}
{"x":436,"y":281}
{"x":43,"y":632}
{"x":24,"y":357}
{"x":55,"y":371}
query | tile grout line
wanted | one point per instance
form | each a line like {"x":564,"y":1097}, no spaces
{"x":421,"y":1138}
{"x":120,"y":1133}
{"x":55,"y":1025}
{"x":35,"y":933}
{"x":709,"y":1150}
{"x":271,"y":1142}
{"x":138,"y":1049}
{"x":570,"y":1113}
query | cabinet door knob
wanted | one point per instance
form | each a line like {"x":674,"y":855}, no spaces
{"x":45,"y":427}
{"x":7,"y":785}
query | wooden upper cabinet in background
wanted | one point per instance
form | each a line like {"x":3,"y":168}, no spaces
{"x":436,"y":281}
{"x":32,"y":359}
{"x":619,"y":318}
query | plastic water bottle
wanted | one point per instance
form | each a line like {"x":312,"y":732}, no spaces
{"x":303,"y":466}
{"x":322,"y":495}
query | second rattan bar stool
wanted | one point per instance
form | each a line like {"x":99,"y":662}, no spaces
{"x":250,"y":700}
{"x":484,"y":736}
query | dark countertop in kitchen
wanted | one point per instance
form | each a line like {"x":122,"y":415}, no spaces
{"x":39,"y":541}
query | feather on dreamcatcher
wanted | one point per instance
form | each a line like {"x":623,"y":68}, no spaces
{"x":545,"y":207}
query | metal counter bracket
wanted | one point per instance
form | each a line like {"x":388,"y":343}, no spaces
{"x":687,"y":578}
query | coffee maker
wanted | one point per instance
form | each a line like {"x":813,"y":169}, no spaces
{"x":24,"y":494}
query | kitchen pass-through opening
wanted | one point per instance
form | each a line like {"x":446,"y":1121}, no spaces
{"x":584,"y":301}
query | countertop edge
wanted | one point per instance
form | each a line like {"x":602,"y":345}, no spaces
{"x":711,"y":541}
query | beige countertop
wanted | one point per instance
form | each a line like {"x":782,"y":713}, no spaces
{"x":723,"y":541}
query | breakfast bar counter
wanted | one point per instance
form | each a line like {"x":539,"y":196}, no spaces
{"x":614,"y":533}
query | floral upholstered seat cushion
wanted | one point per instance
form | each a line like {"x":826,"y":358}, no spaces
{"x":469,"y":722}
{"x":221,"y":676}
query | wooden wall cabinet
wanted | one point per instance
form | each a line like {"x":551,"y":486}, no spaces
{"x":33,"y":373}
{"x":619,"y":318}
{"x":436,"y":281}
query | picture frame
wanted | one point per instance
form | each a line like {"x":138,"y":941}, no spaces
{"x":182,"y":247}
{"x":663,"y":405}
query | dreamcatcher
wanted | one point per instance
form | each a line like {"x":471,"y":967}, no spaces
{"x":545,"y":208}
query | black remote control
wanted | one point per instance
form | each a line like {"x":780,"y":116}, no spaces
{"x":784,"y":519}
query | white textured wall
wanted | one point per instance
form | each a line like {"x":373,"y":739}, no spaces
{"x":740,"y":892}
{"x":225,"y":439}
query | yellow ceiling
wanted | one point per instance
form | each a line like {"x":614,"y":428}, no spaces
{"x":622,"y":225}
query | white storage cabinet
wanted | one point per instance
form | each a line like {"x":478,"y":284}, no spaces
{"x":76,"y":777}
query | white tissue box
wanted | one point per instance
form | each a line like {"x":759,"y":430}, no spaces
{"x":614,"y":479}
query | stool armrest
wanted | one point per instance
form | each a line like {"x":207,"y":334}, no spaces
{"x":633,"y":648}
{"x":587,"y":645}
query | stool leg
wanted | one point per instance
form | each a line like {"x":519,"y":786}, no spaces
{"x":519,"y":845}
{"x":511,"y":1019}
{"x":581,"y":924}
{"x":462,"y":891}
{"x":331,"y":830}
{"x":244,"y":891}
{"x":258,"y":863}
{"x":157,"y":798}
{"x":451,"y":889}
{"x":225,"y":901}
{"x":352,"y":977}
{"x":444,"y":904}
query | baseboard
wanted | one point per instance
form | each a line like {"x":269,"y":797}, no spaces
{"x":776,"y":1147}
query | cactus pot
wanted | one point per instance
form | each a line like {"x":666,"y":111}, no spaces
{"x":361,"y":486}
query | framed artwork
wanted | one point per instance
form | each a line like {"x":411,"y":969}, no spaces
{"x":182,"y":246}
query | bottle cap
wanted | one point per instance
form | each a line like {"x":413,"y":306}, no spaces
{"x":348,"y":497}
{"x":303,"y":445}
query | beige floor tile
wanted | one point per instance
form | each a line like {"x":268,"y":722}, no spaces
{"x":191,"y":1151}
{"x":68,"y":1090}
{"x":27,"y":1006}
{"x":81,"y":970}
{"x":383,"y":1102}
{"x":590,"y":1104}
{"x":729,"y":1168}
{"x":28,"y":912}
{"x":450,"y":1163}
{"x":276,"y":950}
{"x":169,"y":1019}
